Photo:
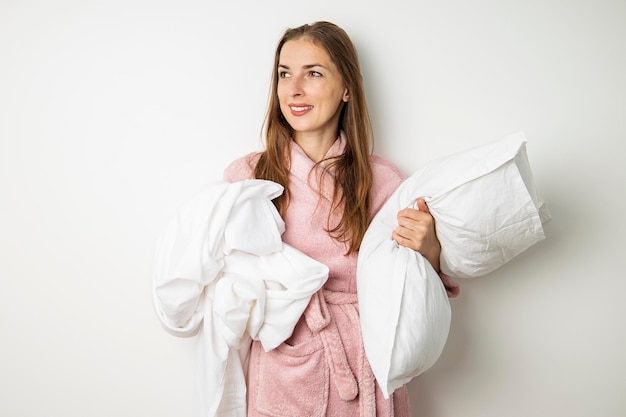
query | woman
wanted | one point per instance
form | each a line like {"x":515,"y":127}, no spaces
{"x":318,"y":146}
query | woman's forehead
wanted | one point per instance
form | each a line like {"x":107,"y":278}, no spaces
{"x":302,"y":52}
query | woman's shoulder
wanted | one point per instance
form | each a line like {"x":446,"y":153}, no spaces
{"x":241,"y":168}
{"x":387,"y":177}
{"x":385,"y":169}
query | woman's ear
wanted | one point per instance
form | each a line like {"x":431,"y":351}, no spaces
{"x":346,"y":96}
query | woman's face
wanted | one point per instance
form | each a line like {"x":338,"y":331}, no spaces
{"x":310,"y":89}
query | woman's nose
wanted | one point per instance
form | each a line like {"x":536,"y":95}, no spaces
{"x":296,"y":87}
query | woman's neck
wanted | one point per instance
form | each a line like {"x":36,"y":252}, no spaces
{"x":315,"y":146}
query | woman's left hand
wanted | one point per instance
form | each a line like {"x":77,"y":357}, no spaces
{"x":416,"y":230}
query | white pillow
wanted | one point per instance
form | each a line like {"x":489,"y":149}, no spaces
{"x":486,"y":211}
{"x":485,"y":203}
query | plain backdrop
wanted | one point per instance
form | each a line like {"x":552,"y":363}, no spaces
{"x":113,"y":113}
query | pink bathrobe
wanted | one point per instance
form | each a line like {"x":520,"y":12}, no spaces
{"x":322,"y":369}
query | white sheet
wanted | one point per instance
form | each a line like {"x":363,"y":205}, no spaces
{"x":222,"y":270}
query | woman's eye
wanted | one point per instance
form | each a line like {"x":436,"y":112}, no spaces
{"x":316,"y":74}
{"x":283,"y":74}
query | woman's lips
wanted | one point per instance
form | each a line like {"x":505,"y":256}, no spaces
{"x":300,"y":109}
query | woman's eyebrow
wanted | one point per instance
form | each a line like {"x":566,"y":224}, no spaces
{"x":308,"y":66}
{"x":313,"y":66}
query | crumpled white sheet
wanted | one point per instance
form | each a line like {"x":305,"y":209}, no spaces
{"x":222,"y":271}
{"x":486,"y":210}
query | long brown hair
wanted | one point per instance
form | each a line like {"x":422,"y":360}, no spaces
{"x":352,"y":170}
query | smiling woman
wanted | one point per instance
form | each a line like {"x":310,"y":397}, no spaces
{"x":318,"y":139}
{"x":318,"y":152}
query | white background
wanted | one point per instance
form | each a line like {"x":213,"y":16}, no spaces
{"x":112,"y":113}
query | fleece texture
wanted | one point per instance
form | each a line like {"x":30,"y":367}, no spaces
{"x":322,"y":369}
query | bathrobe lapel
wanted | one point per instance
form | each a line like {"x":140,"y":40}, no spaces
{"x":303,"y":168}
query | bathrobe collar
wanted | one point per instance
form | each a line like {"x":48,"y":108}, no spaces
{"x":302,"y":167}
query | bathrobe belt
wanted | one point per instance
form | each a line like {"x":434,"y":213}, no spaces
{"x":320,"y":320}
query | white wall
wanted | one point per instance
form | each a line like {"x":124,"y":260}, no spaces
{"x":113,"y":112}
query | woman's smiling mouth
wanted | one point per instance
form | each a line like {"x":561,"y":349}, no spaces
{"x":300,"y":110}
